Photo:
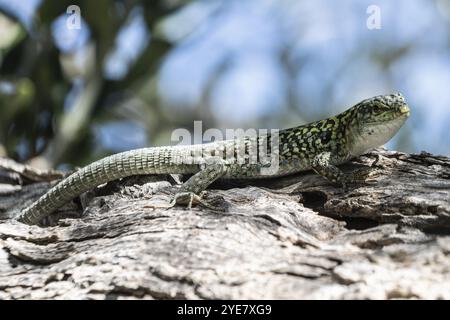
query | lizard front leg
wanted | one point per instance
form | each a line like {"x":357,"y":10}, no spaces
{"x":321,"y":164}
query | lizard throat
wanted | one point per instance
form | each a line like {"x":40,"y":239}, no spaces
{"x":373,"y":135}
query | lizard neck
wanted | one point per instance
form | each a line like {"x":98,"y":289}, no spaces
{"x":362,"y":139}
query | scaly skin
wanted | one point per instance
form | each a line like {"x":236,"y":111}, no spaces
{"x":320,"y":146}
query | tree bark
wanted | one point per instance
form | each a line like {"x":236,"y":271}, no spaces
{"x":297,"y":237}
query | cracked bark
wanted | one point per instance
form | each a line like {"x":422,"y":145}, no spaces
{"x":295,"y":238}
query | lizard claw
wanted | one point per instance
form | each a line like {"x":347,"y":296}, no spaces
{"x":187,"y":198}
{"x":190,"y":198}
{"x":363,"y":174}
{"x":360,"y":177}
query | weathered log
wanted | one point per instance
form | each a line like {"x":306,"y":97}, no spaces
{"x":292,"y":238}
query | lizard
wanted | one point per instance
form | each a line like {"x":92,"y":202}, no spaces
{"x":319,"y":146}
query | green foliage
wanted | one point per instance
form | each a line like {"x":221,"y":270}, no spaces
{"x":36,"y":116}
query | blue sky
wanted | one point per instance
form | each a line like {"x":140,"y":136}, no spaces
{"x":333,"y":61}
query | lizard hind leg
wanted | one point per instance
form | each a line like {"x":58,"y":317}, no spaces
{"x":191,"y":191}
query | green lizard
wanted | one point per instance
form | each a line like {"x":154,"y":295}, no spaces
{"x":319,"y":146}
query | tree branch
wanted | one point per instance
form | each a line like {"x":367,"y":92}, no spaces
{"x":295,"y":237}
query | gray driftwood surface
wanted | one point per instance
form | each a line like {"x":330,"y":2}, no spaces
{"x":293,"y":238}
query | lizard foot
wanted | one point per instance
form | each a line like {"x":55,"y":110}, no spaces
{"x":190,"y":198}
{"x":187,"y":198}
{"x":360,"y":177}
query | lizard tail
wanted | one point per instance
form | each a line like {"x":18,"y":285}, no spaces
{"x":135,"y":162}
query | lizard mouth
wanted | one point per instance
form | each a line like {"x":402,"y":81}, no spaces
{"x":403,"y":113}
{"x":399,"y":119}
{"x":404,"y":110}
{"x":386,"y":127}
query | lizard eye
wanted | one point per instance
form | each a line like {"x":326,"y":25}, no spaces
{"x":376,"y":109}
{"x":379,"y":108}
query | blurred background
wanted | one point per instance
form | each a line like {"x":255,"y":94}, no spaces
{"x":80,"y":82}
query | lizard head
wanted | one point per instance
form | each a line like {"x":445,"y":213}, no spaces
{"x":375,"y":121}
